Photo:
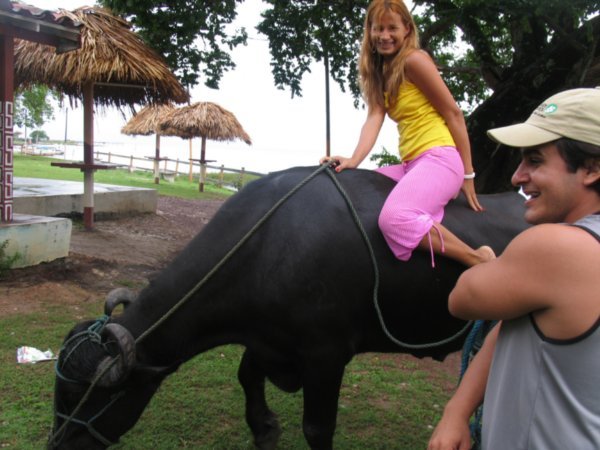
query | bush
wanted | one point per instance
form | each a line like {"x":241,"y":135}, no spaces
{"x":384,"y":158}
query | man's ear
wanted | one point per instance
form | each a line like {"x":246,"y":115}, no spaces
{"x":592,"y":172}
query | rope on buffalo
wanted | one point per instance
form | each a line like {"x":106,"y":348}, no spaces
{"x":231,"y":252}
{"x":258,"y":224}
{"x":180,"y":303}
{"x":87,"y":424}
{"x":365,"y":237}
{"x":234,"y":249}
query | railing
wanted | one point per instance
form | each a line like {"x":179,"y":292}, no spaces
{"x":168,"y":169}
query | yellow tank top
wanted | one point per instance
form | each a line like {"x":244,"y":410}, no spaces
{"x":420,"y":126}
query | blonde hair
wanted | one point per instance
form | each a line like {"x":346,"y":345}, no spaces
{"x":375,"y":76}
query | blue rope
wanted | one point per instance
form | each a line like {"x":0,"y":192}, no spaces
{"x":468,"y":347}
{"x":92,"y":333}
{"x":472,"y":345}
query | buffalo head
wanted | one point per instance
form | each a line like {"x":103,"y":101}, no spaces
{"x":101,"y":388}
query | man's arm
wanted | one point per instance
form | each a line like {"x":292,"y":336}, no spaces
{"x":452,"y":432}
{"x":547,"y":268}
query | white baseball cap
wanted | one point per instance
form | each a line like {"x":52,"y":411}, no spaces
{"x":573,"y":114}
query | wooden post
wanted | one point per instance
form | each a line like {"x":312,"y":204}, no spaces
{"x":157,"y":159}
{"x":88,"y":155}
{"x":6,"y":129}
{"x":202,"y":176}
{"x":191,"y":162}
{"x":131,"y":164}
{"x":242,"y":178}
{"x":221,"y":176}
{"x":177,"y":166}
{"x":327,"y":111}
{"x":202,"y":164}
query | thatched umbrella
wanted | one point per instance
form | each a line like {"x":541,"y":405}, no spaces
{"x":205,"y":120}
{"x":113,"y":67}
{"x":145,"y":123}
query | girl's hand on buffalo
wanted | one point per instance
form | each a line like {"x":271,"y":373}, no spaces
{"x":468,"y":189}
{"x":339,"y":163}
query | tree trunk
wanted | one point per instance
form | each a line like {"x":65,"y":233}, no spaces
{"x":568,"y":64}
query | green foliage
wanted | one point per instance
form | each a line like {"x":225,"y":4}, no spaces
{"x":32,"y":108}
{"x":301,"y":31}
{"x":39,"y":135}
{"x":7,"y":261}
{"x":481,"y":43}
{"x":477,"y":44}
{"x":481,"y":46}
{"x":192,"y":35}
{"x":384,"y":158}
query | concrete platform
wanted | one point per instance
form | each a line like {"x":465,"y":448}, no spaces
{"x":41,"y":197}
{"x":35,"y":237}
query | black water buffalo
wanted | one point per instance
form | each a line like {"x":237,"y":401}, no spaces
{"x":297,"y":293}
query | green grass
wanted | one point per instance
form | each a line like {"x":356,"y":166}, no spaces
{"x":384,"y":403}
{"x":39,"y":167}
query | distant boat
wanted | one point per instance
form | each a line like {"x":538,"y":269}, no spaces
{"x":42,"y":150}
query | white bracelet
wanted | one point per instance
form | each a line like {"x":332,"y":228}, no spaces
{"x":469,"y":176}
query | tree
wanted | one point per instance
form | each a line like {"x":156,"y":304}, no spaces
{"x":192,"y":35}
{"x":32,"y":108}
{"x":39,"y":135}
{"x":524,"y":51}
{"x":301,"y":31}
{"x":500,"y":58}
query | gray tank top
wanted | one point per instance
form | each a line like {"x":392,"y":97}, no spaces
{"x":544,"y":393}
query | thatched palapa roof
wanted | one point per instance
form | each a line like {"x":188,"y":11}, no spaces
{"x":206,"y":120}
{"x":111,"y":56}
{"x":146,"y":121}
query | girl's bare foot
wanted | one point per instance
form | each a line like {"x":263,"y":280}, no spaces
{"x":485,"y":254}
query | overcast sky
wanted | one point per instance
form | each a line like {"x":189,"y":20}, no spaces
{"x":270,"y":116}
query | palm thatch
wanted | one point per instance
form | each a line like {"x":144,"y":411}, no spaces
{"x":146,"y":121}
{"x":113,"y":67}
{"x":203,"y":119}
{"x":123,"y":69}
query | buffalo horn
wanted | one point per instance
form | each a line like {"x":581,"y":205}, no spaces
{"x":116,"y":297}
{"x":125,"y":344}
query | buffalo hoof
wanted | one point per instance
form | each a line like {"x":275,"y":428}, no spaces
{"x":269,"y":436}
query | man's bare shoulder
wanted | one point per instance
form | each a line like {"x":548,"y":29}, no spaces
{"x":540,"y":269}
{"x":555,"y":239}
{"x":565,"y":261}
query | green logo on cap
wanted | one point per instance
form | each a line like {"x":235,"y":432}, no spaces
{"x":551,"y":108}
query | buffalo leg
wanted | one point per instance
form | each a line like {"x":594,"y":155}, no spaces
{"x":261,"y":420}
{"x":322,"y":381}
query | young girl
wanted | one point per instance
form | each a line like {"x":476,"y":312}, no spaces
{"x":401,"y":80}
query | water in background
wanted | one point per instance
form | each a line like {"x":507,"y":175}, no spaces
{"x":231,"y":155}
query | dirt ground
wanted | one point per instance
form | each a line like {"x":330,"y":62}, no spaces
{"x":130,"y":250}
{"x":127,"y":249}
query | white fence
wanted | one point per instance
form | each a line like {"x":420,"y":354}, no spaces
{"x":168,"y":168}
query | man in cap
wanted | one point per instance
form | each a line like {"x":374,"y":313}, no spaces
{"x":539,"y":369}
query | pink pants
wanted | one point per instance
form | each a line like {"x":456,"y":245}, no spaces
{"x":425,"y":185}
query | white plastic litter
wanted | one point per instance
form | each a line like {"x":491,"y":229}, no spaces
{"x":31,"y":355}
